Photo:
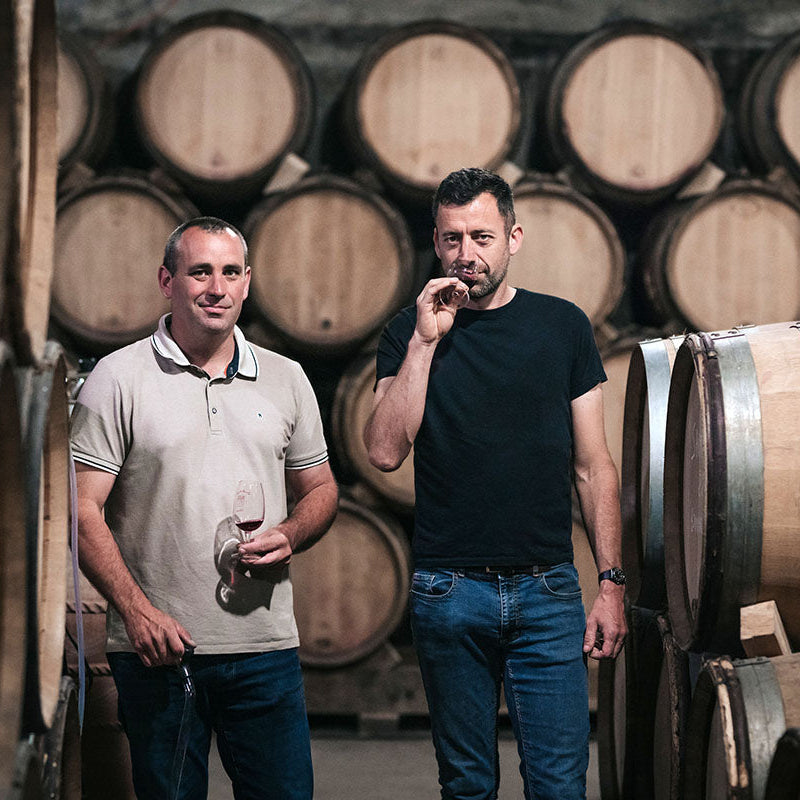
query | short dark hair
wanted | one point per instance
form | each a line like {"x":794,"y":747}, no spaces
{"x":464,"y":185}
{"x":210,"y":224}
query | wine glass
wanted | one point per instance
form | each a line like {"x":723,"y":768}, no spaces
{"x":248,"y":507}
{"x":455,"y":296}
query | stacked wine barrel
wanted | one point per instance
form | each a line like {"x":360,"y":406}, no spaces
{"x":39,"y":715}
{"x":710,"y":514}
{"x":663,"y":205}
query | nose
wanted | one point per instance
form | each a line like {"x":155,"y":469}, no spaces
{"x":216,"y":285}
{"x":466,"y":251}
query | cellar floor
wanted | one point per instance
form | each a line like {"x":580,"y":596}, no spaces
{"x":349,"y":767}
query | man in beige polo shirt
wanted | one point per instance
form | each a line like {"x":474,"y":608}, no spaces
{"x":163,"y":431}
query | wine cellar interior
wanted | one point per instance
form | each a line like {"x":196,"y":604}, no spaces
{"x":654,"y":153}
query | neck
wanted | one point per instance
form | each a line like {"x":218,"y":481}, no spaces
{"x":502,"y":295}
{"x":211,"y":353}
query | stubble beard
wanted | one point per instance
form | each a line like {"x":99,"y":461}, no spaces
{"x":490,"y":283}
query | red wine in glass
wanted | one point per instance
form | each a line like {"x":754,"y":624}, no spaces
{"x":248,"y":507}
{"x":249,"y":525}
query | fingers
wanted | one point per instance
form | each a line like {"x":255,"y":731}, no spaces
{"x":267,"y":549}
{"x":159,"y":639}
{"x":434,"y":287}
{"x":604,"y":647}
{"x":605,"y":630}
{"x":590,"y":637}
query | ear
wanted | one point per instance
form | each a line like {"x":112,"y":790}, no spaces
{"x":436,"y":242}
{"x":247,"y":275}
{"x":515,"y":239}
{"x":165,"y":282}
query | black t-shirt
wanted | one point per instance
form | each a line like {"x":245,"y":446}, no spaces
{"x":493,"y":456}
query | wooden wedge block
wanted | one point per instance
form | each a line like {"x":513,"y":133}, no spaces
{"x":762,"y":631}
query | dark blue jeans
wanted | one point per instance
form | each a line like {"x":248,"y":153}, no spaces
{"x":475,"y":630}
{"x":254,"y":703}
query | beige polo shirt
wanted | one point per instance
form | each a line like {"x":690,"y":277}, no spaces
{"x":178,"y":443}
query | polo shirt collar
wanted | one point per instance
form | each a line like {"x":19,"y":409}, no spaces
{"x":167,"y":347}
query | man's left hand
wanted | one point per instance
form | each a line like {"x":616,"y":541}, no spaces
{"x":268,"y":549}
{"x":605,"y":626}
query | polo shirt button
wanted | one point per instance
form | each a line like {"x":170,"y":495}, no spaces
{"x":213,"y":410}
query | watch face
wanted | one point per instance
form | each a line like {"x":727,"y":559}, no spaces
{"x":617,"y":576}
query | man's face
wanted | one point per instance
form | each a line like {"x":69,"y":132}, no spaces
{"x":472,"y":241}
{"x":210,"y":282}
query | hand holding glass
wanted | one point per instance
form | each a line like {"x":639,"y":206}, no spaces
{"x":248,"y":507}
{"x":455,"y":296}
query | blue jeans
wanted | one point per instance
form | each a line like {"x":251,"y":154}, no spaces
{"x":475,"y":630}
{"x":253,"y":701}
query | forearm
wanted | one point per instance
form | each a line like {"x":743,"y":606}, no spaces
{"x":396,"y":419}
{"x":598,"y":492}
{"x":102,"y":562}
{"x":311,"y":517}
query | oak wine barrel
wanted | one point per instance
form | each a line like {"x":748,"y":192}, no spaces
{"x":352,"y":406}
{"x":627,"y":691}
{"x":739,"y":711}
{"x":313,"y":278}
{"x":13,"y":572}
{"x":351,"y":588}
{"x":731,"y":471}
{"x":105,"y":754}
{"x":27,"y":767}
{"x":636,"y":110}
{"x":110,"y":236}
{"x":572,"y":249}
{"x":45,"y":440}
{"x":642,"y":495}
{"x":85,"y":117}
{"x":61,"y":748}
{"x":429,"y":98}
{"x":767,"y":115}
{"x":671,"y":716}
{"x":8,"y":138}
{"x":783,"y":780}
{"x":220,"y":100}
{"x":35,"y":167}
{"x":731,"y":257}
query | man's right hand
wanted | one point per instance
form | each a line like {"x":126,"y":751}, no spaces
{"x":159,"y":639}
{"x":435,"y":318}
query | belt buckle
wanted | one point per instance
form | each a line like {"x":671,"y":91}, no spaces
{"x":509,"y":570}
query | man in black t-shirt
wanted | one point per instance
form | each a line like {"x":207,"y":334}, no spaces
{"x":502,"y":401}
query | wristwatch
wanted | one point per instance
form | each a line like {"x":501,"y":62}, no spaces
{"x":615,"y":575}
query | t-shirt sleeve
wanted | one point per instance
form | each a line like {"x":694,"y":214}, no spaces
{"x":99,"y":424}
{"x":587,"y":366}
{"x":393,"y":344}
{"x":307,"y":447}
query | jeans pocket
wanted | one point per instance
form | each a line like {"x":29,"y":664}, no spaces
{"x":562,"y":582}
{"x":433,"y":585}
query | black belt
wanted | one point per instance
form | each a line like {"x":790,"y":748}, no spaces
{"x":527,"y":569}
